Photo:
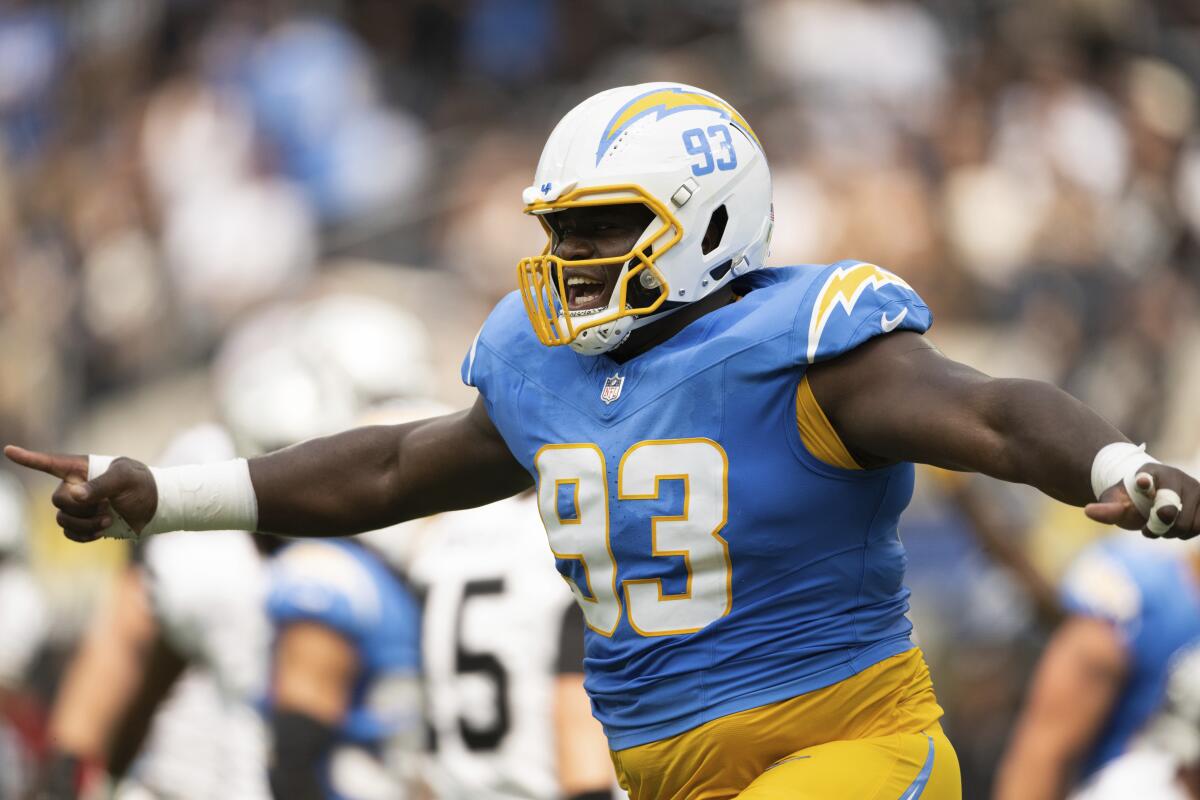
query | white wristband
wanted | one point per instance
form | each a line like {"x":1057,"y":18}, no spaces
{"x":1120,"y":462}
{"x":197,"y":497}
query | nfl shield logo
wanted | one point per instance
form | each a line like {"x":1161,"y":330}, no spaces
{"x":612,"y":389}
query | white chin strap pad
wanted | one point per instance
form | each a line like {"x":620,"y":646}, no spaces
{"x":602,"y":338}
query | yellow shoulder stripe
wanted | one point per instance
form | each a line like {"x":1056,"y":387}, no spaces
{"x":817,"y":433}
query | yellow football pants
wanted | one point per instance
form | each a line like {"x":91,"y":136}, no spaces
{"x":873,"y":736}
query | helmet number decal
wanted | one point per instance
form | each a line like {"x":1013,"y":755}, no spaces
{"x":697,"y":143}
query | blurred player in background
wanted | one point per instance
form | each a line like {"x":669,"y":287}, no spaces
{"x":501,"y":650}
{"x":166,"y":684}
{"x":1163,"y":763}
{"x":23,"y":627}
{"x":502,"y":647}
{"x":344,"y":701}
{"x":1131,"y":605}
{"x":182,"y":621}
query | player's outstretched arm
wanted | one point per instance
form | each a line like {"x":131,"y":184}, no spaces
{"x":369,"y":478}
{"x":897,"y":398}
{"x":360,"y":480}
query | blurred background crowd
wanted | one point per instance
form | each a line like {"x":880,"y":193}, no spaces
{"x":168,"y":168}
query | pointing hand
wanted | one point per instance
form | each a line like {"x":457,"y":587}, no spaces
{"x":87,"y":507}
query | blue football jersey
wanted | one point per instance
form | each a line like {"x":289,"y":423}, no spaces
{"x":347,"y":588}
{"x":720,"y":566}
{"x":1151,"y":595}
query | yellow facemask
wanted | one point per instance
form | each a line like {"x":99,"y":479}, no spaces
{"x":543,"y":279}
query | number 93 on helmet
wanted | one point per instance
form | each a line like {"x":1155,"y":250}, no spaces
{"x":676,"y":167}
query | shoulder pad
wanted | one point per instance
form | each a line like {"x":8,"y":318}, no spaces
{"x":1101,"y":584}
{"x":851,"y":302}
{"x":326,"y":583}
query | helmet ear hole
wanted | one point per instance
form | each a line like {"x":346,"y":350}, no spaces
{"x":716,"y":230}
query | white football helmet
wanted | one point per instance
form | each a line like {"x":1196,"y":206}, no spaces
{"x":293,"y":372}
{"x":382,"y":349}
{"x":683,"y":153}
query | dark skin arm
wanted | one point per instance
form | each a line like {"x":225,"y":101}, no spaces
{"x":359,"y":480}
{"x":897,"y":398}
{"x":385,"y":475}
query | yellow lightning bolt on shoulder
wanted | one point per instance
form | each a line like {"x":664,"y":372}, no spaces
{"x":664,"y":102}
{"x":843,"y":288}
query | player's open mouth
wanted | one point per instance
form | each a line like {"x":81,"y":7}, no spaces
{"x":588,"y":290}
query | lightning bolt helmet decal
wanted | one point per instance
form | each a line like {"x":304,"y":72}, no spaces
{"x":665,"y":102}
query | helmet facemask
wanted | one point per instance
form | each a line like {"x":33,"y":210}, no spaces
{"x":681,"y":152}
{"x":639,"y":290}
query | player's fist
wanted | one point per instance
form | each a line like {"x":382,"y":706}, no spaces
{"x":87,"y":507}
{"x":1172,"y":496}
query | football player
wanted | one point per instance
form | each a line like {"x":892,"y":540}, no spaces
{"x":1131,"y":605}
{"x":721,"y":454}
{"x":344,"y":700}
{"x":502,"y":650}
{"x":161,"y":688}
{"x":1164,"y":761}
{"x":165,"y":688}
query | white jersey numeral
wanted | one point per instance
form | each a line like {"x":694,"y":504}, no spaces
{"x":577,"y":472}
{"x":583,"y":534}
{"x":694,"y":534}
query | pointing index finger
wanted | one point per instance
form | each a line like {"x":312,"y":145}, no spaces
{"x":61,"y":467}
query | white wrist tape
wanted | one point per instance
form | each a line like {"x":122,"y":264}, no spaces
{"x":1120,"y":462}
{"x":197,"y":497}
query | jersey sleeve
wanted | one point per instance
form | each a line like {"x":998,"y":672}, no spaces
{"x":1102,"y":585}
{"x":501,"y":331}
{"x":474,"y":370}
{"x":323,"y":583}
{"x":850,"y":303}
{"x":493,"y":365}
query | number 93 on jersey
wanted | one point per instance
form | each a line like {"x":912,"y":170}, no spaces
{"x":576,"y":506}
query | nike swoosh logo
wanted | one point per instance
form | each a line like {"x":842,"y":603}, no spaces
{"x":889,"y":325}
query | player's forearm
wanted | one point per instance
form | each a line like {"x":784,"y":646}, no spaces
{"x":300,"y":745}
{"x":335,"y":485}
{"x":1040,"y":435}
{"x":370,"y":478}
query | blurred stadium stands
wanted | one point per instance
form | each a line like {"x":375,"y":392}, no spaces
{"x":1031,"y":166}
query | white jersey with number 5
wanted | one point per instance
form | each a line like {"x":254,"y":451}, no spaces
{"x":492,"y":633}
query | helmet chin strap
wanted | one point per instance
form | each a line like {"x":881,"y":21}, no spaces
{"x":602,"y":338}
